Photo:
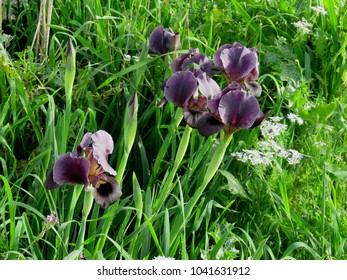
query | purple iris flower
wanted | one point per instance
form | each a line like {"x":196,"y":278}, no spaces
{"x":191,"y":92}
{"x":192,"y":60}
{"x":231,"y":110}
{"x":162,"y":41}
{"x":210,"y":109}
{"x":87,"y":165}
{"x":239,"y":64}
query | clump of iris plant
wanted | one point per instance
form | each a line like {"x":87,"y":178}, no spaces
{"x":88,"y":166}
{"x":162,"y":41}
{"x":192,"y":87}
{"x":207,"y":107}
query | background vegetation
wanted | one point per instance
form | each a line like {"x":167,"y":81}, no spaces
{"x":275,"y":211}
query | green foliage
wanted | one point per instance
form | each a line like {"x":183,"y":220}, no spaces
{"x":174,"y":202}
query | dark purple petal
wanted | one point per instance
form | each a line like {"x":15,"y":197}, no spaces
{"x":231,"y":87}
{"x":107,"y":192}
{"x":69,"y":169}
{"x":193,"y":116}
{"x":237,"y":62}
{"x":207,"y":86}
{"x":102,"y":147}
{"x":208,"y":124}
{"x":176,"y":65}
{"x":50,"y":184}
{"x":185,"y":61}
{"x":196,"y":72}
{"x":238,"y":109}
{"x":260,"y":118}
{"x":180,"y":87}
{"x":172,"y":40}
{"x":162,"y":41}
{"x":198,"y":59}
{"x":216,"y":57}
{"x":213,"y":104}
{"x":156,"y":41}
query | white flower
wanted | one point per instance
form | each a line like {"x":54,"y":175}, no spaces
{"x":268,"y":150}
{"x":295,"y":119}
{"x":303,"y":25}
{"x":254,"y":157}
{"x":319,"y":10}
{"x":270,"y":146}
{"x":294,"y":157}
{"x":276,"y":119}
{"x":127,"y":57}
{"x":271,"y":130}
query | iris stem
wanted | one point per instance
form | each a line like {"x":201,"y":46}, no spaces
{"x":87,"y":206}
{"x":212,"y":168}
{"x":76,"y":192}
{"x":168,"y":186}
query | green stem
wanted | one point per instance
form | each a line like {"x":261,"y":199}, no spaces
{"x":212,"y":168}
{"x":76,"y":192}
{"x":87,"y":206}
{"x":168,"y":185}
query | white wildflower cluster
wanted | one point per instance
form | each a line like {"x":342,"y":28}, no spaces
{"x":303,"y":25}
{"x":319,"y":10}
{"x":255,"y":157}
{"x":295,"y":118}
{"x":269,"y":149}
{"x":272,"y":128}
{"x":293,"y":156}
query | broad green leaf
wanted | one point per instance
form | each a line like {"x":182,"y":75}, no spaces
{"x":338,"y":171}
{"x":234,"y":186}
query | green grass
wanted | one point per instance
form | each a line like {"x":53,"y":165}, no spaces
{"x":184,"y":196}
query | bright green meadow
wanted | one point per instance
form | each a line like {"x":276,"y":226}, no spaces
{"x":254,"y":196}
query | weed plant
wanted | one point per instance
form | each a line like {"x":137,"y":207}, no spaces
{"x":261,"y":203}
